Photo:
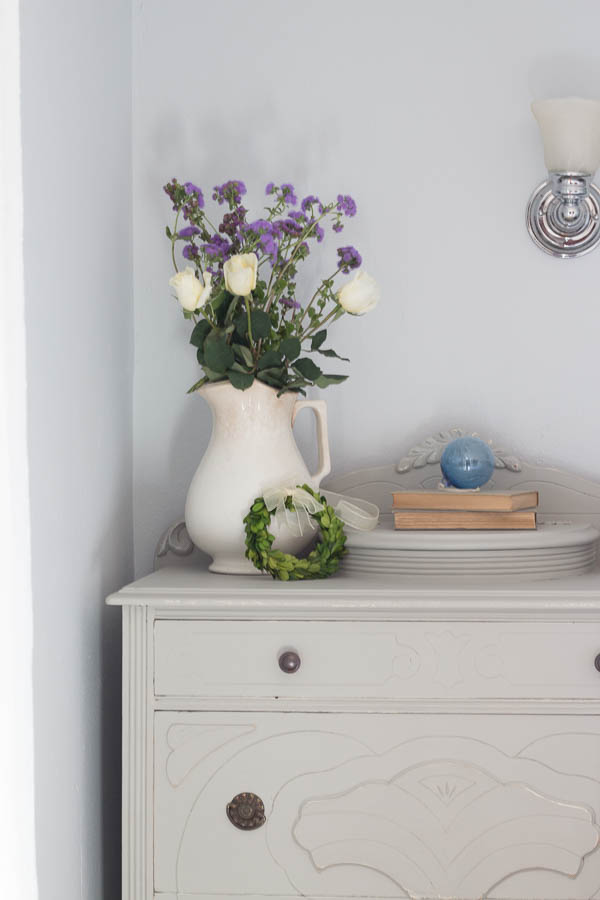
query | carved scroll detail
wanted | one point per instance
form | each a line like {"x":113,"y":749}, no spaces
{"x":175,"y":540}
{"x":430,"y":450}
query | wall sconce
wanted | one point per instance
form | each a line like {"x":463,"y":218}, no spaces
{"x":563,"y":214}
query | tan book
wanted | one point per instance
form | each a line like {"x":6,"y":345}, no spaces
{"x":483,"y":501}
{"x":459,"y":519}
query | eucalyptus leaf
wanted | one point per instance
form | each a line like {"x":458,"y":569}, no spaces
{"x":241,"y":324}
{"x":200,"y":333}
{"x":271,"y":376}
{"x":218,"y":355}
{"x":290,"y":347}
{"x":228,"y":313}
{"x":307,"y":368}
{"x":332,"y":354}
{"x":318,"y":339}
{"x":218,"y":300}
{"x":244,"y":354}
{"x":324,"y":381}
{"x":212,"y":375}
{"x":261,"y":323}
{"x":240,"y":380}
{"x":269,"y":359}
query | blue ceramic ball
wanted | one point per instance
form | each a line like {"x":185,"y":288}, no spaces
{"x":467,"y":463}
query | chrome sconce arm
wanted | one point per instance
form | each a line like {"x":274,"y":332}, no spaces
{"x":563,"y":213}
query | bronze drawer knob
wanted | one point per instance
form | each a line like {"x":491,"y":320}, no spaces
{"x":289,"y":662}
{"x":246,"y":811}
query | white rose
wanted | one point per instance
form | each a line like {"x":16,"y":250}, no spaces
{"x":240,"y":273}
{"x":360,"y":295}
{"x":190,"y":291}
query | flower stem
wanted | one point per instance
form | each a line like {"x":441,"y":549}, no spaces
{"x":247,"y":302}
{"x":315,"y":295}
{"x":299,"y":242}
{"x":173,"y":242}
{"x":310,"y":330}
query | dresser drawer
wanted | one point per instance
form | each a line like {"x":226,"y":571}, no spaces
{"x":376,"y":806}
{"x":197,"y":658}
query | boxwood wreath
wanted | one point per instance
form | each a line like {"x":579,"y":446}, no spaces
{"x":322,"y":561}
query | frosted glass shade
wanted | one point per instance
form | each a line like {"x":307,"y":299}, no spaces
{"x":570,"y":129}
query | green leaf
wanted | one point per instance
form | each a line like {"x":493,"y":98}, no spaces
{"x":240,"y":380}
{"x":213,"y":376}
{"x":307,"y":368}
{"x":200,"y":333}
{"x":318,"y":339}
{"x":218,"y":300}
{"x":244,"y":354}
{"x":259,"y":290}
{"x":332,"y":353}
{"x":324,"y":381}
{"x":261,"y":323}
{"x":290,"y":347}
{"x":198,"y":384}
{"x":218,"y":355}
{"x":274,"y":377}
{"x":231,"y":311}
{"x":297,"y":383}
{"x":241,"y":324}
{"x":168,"y":234}
{"x":269,"y":359}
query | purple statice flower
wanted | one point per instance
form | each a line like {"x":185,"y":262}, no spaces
{"x":309,"y":202}
{"x":346,"y":204}
{"x":297,"y":215}
{"x":316,"y":231}
{"x":231,"y":192}
{"x":259,"y":226}
{"x":170,"y":190}
{"x":233,"y":223}
{"x":349,"y":258}
{"x":268,"y":232}
{"x":290,"y":226}
{"x":270,"y":188}
{"x":189,"y":231}
{"x":217,"y":249}
{"x":337,"y":226}
{"x":289,"y":195}
{"x":190,"y":251}
{"x":194,"y":191}
{"x":289,"y":303}
{"x":269,"y":244}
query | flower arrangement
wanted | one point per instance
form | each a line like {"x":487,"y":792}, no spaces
{"x":239,"y":287}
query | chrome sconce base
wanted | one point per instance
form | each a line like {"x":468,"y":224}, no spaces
{"x":563,"y":215}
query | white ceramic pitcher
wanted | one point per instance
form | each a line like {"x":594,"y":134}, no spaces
{"x":251,"y":449}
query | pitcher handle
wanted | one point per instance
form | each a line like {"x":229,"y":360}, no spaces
{"x":319,"y":407}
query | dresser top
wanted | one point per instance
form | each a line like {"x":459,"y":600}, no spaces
{"x":195,"y":590}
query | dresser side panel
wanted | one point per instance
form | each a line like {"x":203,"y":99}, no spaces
{"x":137,"y":757}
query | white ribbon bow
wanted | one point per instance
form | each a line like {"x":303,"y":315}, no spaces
{"x":358,"y":514}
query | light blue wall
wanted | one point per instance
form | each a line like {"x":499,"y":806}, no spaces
{"x":421,"y":111}
{"x":76,"y":57}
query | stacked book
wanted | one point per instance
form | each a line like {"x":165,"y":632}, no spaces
{"x":466,"y":510}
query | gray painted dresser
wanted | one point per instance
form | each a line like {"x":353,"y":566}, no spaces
{"x":363,"y":736}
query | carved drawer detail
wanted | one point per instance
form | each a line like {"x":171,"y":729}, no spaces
{"x":380,"y":806}
{"x":371,"y":660}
